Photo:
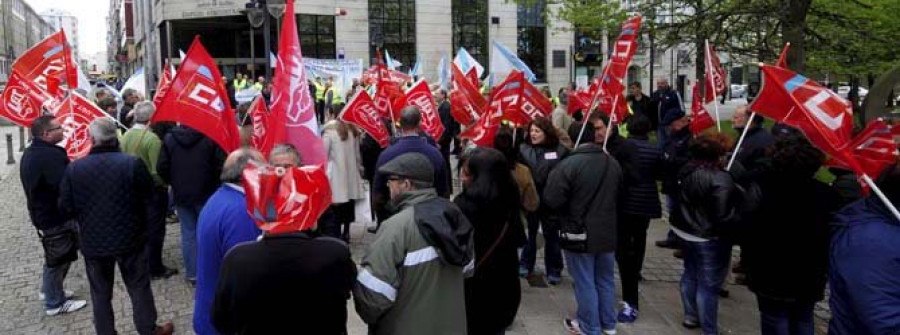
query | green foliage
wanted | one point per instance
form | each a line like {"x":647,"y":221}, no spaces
{"x":853,"y":37}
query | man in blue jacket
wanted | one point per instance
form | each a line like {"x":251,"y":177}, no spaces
{"x":223,"y":223}
{"x":864,"y":266}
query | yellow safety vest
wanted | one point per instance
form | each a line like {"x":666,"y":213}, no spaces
{"x":335,"y":97}
{"x":239,"y":84}
{"x":258,"y":86}
{"x":320,"y":92}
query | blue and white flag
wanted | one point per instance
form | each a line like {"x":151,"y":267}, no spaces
{"x":443,"y":71}
{"x":416,"y":70}
{"x":391,"y":63}
{"x":465,"y":62}
{"x":504,"y":61}
{"x":136,"y":82}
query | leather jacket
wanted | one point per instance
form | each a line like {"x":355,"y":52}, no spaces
{"x":707,"y":201}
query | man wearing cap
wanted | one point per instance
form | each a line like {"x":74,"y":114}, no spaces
{"x":409,"y":140}
{"x":411,"y":277}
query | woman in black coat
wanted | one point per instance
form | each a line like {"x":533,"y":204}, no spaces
{"x":490,"y":200}
{"x":785,"y":249}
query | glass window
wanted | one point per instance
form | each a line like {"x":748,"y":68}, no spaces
{"x":532,"y":38}
{"x":392,"y":26}
{"x":470,"y":28}
{"x":316,"y":36}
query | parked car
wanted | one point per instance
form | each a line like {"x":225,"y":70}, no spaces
{"x":738,"y":91}
{"x":844,"y":92}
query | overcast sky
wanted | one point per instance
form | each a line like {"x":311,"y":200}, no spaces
{"x":91,"y":16}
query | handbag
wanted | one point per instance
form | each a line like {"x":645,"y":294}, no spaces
{"x":60,"y":247}
{"x":572,"y":231}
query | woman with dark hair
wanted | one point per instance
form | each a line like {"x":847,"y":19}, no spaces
{"x":541,"y":152}
{"x":342,"y":147}
{"x":503,"y":142}
{"x":785,"y":250}
{"x":490,"y":200}
{"x":705,"y":213}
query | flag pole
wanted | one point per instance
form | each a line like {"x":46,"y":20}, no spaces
{"x":740,"y":141}
{"x":594,"y":102}
{"x":881,"y":196}
{"x":612,"y":121}
{"x":713,"y":85}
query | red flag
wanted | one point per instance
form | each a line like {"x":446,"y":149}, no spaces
{"x":197,"y":98}
{"x":389,"y":99}
{"x":782,"y":59}
{"x":472,"y":93}
{"x":462,"y":110}
{"x":473,"y":77}
{"x":823,"y":116}
{"x":533,"y":104}
{"x":700,"y":118}
{"x":482,"y":132}
{"x":507,"y":96}
{"x":165,"y":79}
{"x":420,"y":96}
{"x":715,"y":75}
{"x":49,"y":58}
{"x":74,"y":115}
{"x":285,"y":201}
{"x":267,"y":130}
{"x":22,"y":101}
{"x":610,"y":85}
{"x":613,"y":93}
{"x":290,"y":95}
{"x":361,"y":111}
{"x":874,"y":148}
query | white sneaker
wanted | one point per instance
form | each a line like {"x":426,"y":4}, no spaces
{"x":69,"y":295}
{"x":67,"y":307}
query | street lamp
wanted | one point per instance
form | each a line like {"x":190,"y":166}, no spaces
{"x":258,"y":12}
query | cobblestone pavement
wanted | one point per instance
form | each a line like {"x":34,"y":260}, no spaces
{"x":541,"y":312}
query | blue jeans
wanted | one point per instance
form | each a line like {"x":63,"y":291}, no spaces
{"x":785,"y":318}
{"x":595,"y":290}
{"x":705,"y":268}
{"x":552,"y":252}
{"x":188,"y":216}
{"x":53,"y":278}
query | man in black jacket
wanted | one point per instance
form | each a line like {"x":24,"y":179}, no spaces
{"x":41,"y":171}
{"x":108,"y":193}
{"x":191,"y":163}
{"x":452,"y":129}
{"x":664,"y":100}
{"x":584,"y":188}
{"x":752,"y":153}
{"x":641,"y":104}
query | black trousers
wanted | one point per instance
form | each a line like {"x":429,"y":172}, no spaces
{"x":136,"y":275}
{"x":156,"y":229}
{"x":630,"y":248}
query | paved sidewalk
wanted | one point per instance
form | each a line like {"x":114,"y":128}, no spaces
{"x":6,"y":169}
{"x":541,"y":312}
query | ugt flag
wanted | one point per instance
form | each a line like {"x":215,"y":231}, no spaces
{"x":22,"y":101}
{"x":290,"y":95}
{"x":49,"y":62}
{"x":361,"y":112}
{"x":715,"y":75}
{"x":700,"y":118}
{"x":197,"y":98}
{"x":420,"y":96}
{"x":74,"y":115}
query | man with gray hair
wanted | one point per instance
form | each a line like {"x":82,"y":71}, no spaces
{"x":131,"y":97}
{"x":141,"y":142}
{"x":285,"y":155}
{"x":223,"y":223}
{"x":409,"y":140}
{"x":108,"y":194}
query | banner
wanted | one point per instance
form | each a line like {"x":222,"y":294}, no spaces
{"x":50,"y":58}
{"x":361,"y":112}
{"x":75,"y":115}
{"x":343,"y":71}
{"x":197,"y":98}
{"x":291,"y":97}
{"x":419,"y":95}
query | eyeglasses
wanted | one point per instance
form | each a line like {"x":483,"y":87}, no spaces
{"x":54,"y":128}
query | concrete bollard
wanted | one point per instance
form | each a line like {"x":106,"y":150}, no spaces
{"x":10,"y":158}
{"x":21,"y":139}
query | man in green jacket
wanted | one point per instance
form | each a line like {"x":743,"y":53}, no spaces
{"x":411,"y":278}
{"x":141,"y":142}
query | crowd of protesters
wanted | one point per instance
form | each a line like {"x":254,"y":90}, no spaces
{"x":449,"y":261}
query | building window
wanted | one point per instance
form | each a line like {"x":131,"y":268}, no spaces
{"x":317,"y":36}
{"x":532,"y":38}
{"x":392,"y":26}
{"x":470,"y":29}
